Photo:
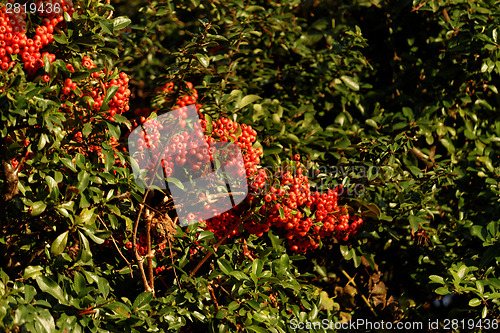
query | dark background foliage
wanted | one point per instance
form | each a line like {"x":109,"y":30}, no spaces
{"x":408,"y":87}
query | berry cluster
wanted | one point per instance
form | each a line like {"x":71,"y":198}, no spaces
{"x":226,"y":130}
{"x":196,"y":154}
{"x":306,"y":217}
{"x":283,"y":201}
{"x":96,"y":87}
{"x":13,"y":38}
{"x":185,"y":100}
{"x":288,"y":205}
{"x":193,"y":151}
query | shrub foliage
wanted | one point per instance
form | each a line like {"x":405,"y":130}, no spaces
{"x":370,"y":140}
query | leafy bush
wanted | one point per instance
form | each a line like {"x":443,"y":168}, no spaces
{"x":370,"y":142}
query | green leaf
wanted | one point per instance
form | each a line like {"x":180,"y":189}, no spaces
{"x":83,"y":179}
{"x":110,"y":93}
{"x":246,"y":100}
{"x":32,"y":271}
{"x":292,"y":137}
{"x":87,"y":129}
{"x":442,"y":291}
{"x":53,"y":188}
{"x":103,"y":286}
{"x":475,"y":302}
{"x":224,"y":266}
{"x":203,"y":59}
{"x":120,"y":23}
{"x":415,"y":222}
{"x":282,"y":213}
{"x":350,"y":82}
{"x":436,"y":279}
{"x":87,"y":216}
{"x":370,"y":210}
{"x":79,"y":284}
{"x":462,"y":271}
{"x":257,"y":329}
{"x":84,"y":254}
{"x":59,"y":244}
{"x":119,"y":308}
{"x":285,"y":261}
{"x":98,"y":236}
{"x":257,"y":265}
{"x":109,"y":159}
{"x":176,"y":182}
{"x":142,"y":301}
{"x":49,"y":286}
{"x":107,"y":26}
{"x":344,"y":250}
{"x":327,"y":302}
{"x":239,"y":275}
{"x":38,"y":208}
{"x":68,"y":163}
{"x":253,"y":304}
{"x":221,"y":314}
{"x":371,"y":122}
{"x":60,"y":38}
{"x":206,"y":235}
{"x":448,"y":145}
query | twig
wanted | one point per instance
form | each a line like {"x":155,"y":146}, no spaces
{"x":423,"y":157}
{"x":351,"y":280}
{"x":213,"y":297}
{"x":138,"y":258}
{"x":209,"y":253}
{"x":150,"y":254}
{"x":111,"y":12}
{"x":172,"y":257}
{"x":117,"y":248}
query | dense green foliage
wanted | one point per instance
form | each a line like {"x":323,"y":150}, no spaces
{"x":397,"y":99}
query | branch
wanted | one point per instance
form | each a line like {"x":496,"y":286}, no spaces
{"x":351,"y":280}
{"x":423,"y":157}
{"x":8,"y":174}
{"x":172,"y":257}
{"x":150,"y":254}
{"x":217,"y":246}
{"x":138,"y":258}
{"x":117,"y":248}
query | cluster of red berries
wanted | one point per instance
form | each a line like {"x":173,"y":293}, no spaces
{"x":182,"y":101}
{"x":288,"y":205}
{"x":13,"y":39}
{"x":95,"y":87}
{"x":91,"y":88}
{"x":193,"y":150}
{"x":196,"y":153}
{"x":226,"y":130}
{"x":306,"y":217}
